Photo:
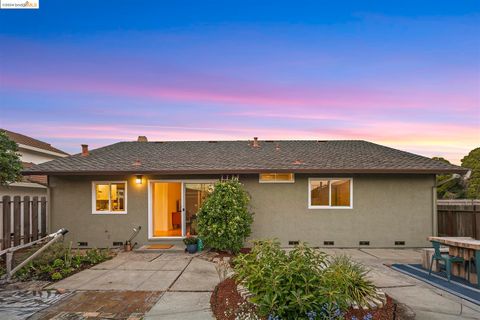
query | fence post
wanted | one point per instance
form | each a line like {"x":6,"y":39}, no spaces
{"x":43,"y":221}
{"x":16,"y":221}
{"x":26,"y":219}
{"x":35,"y":218}
{"x":6,"y":222}
{"x":475,"y":221}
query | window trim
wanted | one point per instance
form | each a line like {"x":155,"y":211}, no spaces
{"x":94,"y":198}
{"x":275,"y":181}
{"x":310,"y":206}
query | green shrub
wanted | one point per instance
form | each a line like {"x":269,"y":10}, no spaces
{"x":224,"y":219}
{"x":300,"y":284}
{"x":350,"y":278}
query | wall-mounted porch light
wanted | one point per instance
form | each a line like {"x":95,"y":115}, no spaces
{"x":138,"y":179}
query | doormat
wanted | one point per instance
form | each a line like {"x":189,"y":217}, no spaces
{"x":158,"y":246}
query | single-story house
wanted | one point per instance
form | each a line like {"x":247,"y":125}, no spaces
{"x":327,"y":193}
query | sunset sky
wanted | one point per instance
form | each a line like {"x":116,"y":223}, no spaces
{"x":401,"y":73}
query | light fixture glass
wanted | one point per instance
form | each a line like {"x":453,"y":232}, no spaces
{"x":138,"y":179}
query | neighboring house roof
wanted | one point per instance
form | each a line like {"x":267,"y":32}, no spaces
{"x":23,"y":140}
{"x":224,"y":157}
{"x":40,"y":179}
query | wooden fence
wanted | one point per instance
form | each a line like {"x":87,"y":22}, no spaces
{"x":460,"y":218}
{"x":23,"y":220}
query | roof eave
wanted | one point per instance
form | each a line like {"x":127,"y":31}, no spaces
{"x":458,"y":170}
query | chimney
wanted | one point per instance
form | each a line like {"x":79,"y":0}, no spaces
{"x":255,"y":142}
{"x":142,"y":139}
{"x":85,"y":151}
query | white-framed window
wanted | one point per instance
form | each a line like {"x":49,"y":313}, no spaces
{"x":330,"y":193}
{"x":276,"y":177}
{"x":109,"y":197}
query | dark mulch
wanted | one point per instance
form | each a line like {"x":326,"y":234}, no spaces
{"x":226,"y":301}
{"x":222,"y":254}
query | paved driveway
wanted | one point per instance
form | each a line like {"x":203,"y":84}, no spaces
{"x":184,"y":283}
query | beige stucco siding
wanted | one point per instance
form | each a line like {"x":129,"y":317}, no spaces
{"x":386,"y":208}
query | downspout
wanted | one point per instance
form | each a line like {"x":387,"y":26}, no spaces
{"x":434,"y":208}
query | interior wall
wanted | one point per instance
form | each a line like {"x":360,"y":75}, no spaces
{"x":165,"y":197}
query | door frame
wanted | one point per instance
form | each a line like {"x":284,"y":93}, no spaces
{"x":182,"y":204}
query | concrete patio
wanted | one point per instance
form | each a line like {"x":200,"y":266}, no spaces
{"x":183,"y":283}
{"x":420,"y":300}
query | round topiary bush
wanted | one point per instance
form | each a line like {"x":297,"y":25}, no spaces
{"x":224,"y":219}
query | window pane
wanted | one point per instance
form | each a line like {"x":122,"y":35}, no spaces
{"x":284,"y":177}
{"x":340,"y":193}
{"x":276,"y":177}
{"x":195,"y":195}
{"x":117,"y":196}
{"x":319,"y":193}
{"x":101,"y":197}
{"x":267,"y":176}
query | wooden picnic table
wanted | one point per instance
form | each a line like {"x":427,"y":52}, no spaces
{"x":464,"y":247}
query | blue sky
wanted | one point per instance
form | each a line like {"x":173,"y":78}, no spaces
{"x":401,"y":73}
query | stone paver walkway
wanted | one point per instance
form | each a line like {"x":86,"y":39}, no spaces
{"x":422,"y":300}
{"x":186,"y":282}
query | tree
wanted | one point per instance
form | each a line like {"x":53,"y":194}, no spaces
{"x":452,"y":189}
{"x":472,"y":162}
{"x":10,"y":164}
{"x":224,"y":220}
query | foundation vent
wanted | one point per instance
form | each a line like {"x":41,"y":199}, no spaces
{"x":293,"y":243}
{"x":399,"y":243}
{"x":364,"y":243}
{"x":82,"y":244}
{"x":328,"y":243}
{"x":117,"y":243}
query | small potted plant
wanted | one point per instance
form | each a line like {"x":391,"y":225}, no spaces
{"x":191,"y":243}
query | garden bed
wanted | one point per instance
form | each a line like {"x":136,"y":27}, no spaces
{"x":57,"y":262}
{"x":228,"y":304}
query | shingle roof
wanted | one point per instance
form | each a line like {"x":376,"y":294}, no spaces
{"x":224,"y":157}
{"x":29,"y":141}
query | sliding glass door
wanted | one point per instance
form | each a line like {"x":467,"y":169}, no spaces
{"x":174,"y":206}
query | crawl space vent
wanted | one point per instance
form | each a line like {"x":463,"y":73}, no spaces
{"x":293,"y":243}
{"x":117,"y":243}
{"x":364,"y":243}
{"x":399,"y":243}
{"x":82,"y":244}
{"x":328,"y":243}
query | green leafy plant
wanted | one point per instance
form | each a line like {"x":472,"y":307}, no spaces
{"x":301,"y":284}
{"x":190,"y":240}
{"x":224,"y":220}
{"x":59,"y":261}
{"x":350,"y":278}
{"x":10,"y":163}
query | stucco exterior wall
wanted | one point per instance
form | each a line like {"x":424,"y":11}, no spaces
{"x":386,"y":208}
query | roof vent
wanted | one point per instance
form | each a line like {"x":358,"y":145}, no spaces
{"x":137,"y":163}
{"x":85,"y":151}
{"x":298,"y":162}
{"x":255,"y":142}
{"x":142,"y":139}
